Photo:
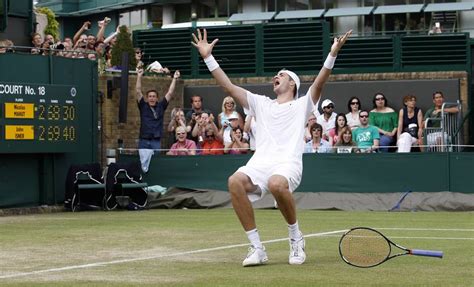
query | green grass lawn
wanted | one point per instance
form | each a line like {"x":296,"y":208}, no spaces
{"x":206,"y":248}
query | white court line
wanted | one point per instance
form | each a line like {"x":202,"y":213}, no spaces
{"x":423,"y":229}
{"x":105,"y":263}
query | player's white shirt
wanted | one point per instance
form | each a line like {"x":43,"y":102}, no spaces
{"x":280,"y":128}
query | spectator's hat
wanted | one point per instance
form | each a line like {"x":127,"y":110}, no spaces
{"x":326,"y":103}
{"x":233,"y":116}
{"x":294,"y":77}
{"x":155,"y":67}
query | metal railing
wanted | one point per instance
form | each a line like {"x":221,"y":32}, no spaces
{"x":444,"y":133}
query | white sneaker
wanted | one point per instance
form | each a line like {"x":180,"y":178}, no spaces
{"x":297,"y":254}
{"x":255,"y":256}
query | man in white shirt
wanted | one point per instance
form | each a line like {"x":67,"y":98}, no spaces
{"x":277,"y":164}
{"x":328,"y":118}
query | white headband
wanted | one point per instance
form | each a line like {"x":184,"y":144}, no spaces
{"x":295,"y":78}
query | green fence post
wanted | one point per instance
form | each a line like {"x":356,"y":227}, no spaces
{"x":397,"y":53}
{"x":327,"y":41}
{"x":194,"y":55}
{"x":259,"y":62}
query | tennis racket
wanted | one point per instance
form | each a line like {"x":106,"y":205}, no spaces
{"x":366,"y":247}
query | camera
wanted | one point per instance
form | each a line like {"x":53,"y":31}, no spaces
{"x":58,"y":46}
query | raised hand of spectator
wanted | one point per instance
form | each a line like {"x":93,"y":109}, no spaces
{"x":177,"y":74}
{"x":86,"y":25}
{"x":140,"y":72}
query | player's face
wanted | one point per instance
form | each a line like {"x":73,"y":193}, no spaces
{"x":281,"y":83}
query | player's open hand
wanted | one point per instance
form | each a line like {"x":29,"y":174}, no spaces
{"x":200,"y":42}
{"x":339,"y":42}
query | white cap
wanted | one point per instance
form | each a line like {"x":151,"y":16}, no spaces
{"x":155,"y":67}
{"x":294,"y":77}
{"x":326,"y":103}
{"x":233,"y":116}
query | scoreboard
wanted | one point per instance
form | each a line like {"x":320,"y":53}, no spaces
{"x":38,"y":118}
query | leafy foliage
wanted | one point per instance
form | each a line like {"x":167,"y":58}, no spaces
{"x":53,"y":25}
{"x":123,"y":44}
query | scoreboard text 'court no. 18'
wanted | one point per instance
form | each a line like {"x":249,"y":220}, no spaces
{"x":38,"y":118}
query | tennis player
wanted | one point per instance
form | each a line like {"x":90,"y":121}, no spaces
{"x":277,"y":164}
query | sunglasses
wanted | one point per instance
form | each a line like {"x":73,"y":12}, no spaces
{"x":180,"y":134}
{"x":354,"y":103}
{"x":329,"y":107}
{"x":379,"y":99}
{"x":363,"y":116}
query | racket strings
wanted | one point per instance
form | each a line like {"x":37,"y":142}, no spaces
{"x":364,"y":248}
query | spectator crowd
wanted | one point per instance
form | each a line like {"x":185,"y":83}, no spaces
{"x":358,"y":130}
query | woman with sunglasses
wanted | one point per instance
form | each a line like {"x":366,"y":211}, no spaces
{"x":354,"y":107}
{"x":182,"y":146}
{"x":317,"y":144}
{"x":385,"y":119}
{"x":228,"y":109}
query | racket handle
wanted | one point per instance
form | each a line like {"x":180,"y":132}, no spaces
{"x":429,"y":253}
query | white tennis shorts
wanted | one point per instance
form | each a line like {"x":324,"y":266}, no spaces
{"x":260,"y":173}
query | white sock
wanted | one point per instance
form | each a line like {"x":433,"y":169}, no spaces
{"x":254,"y":238}
{"x":294,"y":231}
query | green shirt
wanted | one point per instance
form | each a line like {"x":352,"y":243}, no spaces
{"x":364,"y":137}
{"x":429,"y":114}
{"x":384,"y":121}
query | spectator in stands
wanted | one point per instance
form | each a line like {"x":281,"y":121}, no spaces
{"x":436,"y":29}
{"x":139,"y":57}
{"x":203,"y":121}
{"x":250,"y":128}
{"x":238,"y":144}
{"x":231,"y":123}
{"x":182,"y":146}
{"x":5,"y":45}
{"x":152,"y":112}
{"x":327,"y":118}
{"x":345,"y":144}
{"x":385,"y":119}
{"x":196,"y":107}
{"x":276,"y":166}
{"x":177,"y":120}
{"x":37,"y":42}
{"x":340,"y":122}
{"x":212,"y":144}
{"x":317,"y":144}
{"x":435,"y":113}
{"x":228,"y":109}
{"x":366,"y":137}
{"x":80,"y":34}
{"x":353,"y":106}
{"x":309,"y":123}
{"x":410,"y":125}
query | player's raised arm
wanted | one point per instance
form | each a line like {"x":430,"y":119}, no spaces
{"x":325,"y":72}
{"x":205,"y":50}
